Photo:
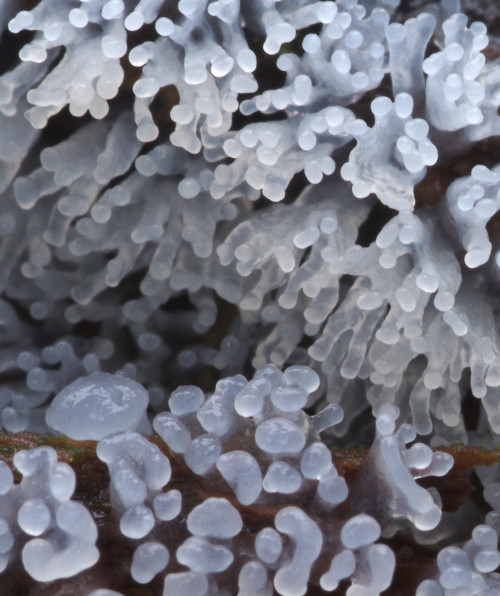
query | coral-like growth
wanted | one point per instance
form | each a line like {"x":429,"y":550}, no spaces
{"x":62,"y":532}
{"x":193,"y":191}
{"x":250,"y":442}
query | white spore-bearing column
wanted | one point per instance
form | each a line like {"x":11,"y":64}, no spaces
{"x":469,"y":569}
{"x":369,"y":566}
{"x":392,"y":156}
{"x":471,"y":202}
{"x":268,"y":410}
{"x":139,"y":471}
{"x":62,"y":532}
{"x":454,"y":89}
{"x":393,"y":468}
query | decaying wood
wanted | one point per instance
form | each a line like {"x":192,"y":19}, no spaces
{"x":414,"y":562}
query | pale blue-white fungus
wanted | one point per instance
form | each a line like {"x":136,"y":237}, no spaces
{"x":268,"y":545}
{"x":149,"y":559}
{"x":202,"y":453}
{"x":304,"y":192}
{"x":292,"y":578}
{"x":214,"y":518}
{"x":96,"y":406}
{"x":281,"y":478}
{"x":279,"y":436}
{"x":168,"y":505}
{"x":242,"y":472}
{"x":200,"y":555}
{"x":62,"y":533}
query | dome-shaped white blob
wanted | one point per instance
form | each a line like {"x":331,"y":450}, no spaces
{"x":97,"y":406}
